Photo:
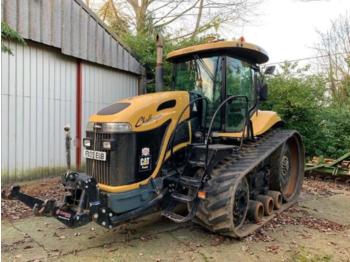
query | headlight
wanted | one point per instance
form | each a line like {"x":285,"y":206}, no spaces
{"x":87,"y":142}
{"x":90,"y":126}
{"x":106,"y":145}
{"x":116,"y":127}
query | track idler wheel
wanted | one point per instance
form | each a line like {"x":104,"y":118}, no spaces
{"x":255,"y":211}
{"x":287,"y":169}
{"x":267,"y":202}
{"x":276,"y":197}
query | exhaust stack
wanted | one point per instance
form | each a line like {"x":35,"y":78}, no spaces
{"x":159,"y":65}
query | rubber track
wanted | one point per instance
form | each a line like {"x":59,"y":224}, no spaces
{"x":214,"y":213}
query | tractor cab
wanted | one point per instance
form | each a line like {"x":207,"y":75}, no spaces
{"x":219,"y":70}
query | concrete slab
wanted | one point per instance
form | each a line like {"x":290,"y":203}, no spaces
{"x":335,"y":208}
{"x":153,"y":238}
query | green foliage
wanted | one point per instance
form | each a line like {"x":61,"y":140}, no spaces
{"x":299,"y":97}
{"x":8,"y":34}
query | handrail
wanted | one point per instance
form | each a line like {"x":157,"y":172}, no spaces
{"x":172,"y":138}
{"x":206,"y":141}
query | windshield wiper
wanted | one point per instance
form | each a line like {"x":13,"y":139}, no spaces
{"x":206,"y":68}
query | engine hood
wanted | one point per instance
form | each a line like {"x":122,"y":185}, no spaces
{"x":145,"y":112}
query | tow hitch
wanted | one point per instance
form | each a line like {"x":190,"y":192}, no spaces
{"x":80,"y":201}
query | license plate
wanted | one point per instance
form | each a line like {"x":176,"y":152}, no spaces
{"x":97,"y":155}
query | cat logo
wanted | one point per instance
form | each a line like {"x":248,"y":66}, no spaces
{"x":145,"y":163}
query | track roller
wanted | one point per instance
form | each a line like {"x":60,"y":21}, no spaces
{"x":276,"y":197}
{"x":255,"y":211}
{"x":267,"y":202}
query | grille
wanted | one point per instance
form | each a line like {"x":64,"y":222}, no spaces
{"x":100,"y":170}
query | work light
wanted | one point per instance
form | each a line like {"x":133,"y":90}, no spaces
{"x":87,"y":142}
{"x":116,"y":127}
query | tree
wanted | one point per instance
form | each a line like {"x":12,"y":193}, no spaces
{"x":334,"y":49}
{"x":299,"y":98}
{"x":145,"y":16}
{"x":108,"y":12}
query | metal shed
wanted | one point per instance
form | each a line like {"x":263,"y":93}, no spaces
{"x":71,"y":67}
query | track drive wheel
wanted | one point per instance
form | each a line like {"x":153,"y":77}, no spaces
{"x":226,"y":206}
{"x":287,"y":169}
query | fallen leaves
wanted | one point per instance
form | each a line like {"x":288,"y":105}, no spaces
{"x":44,"y":188}
{"x":323,"y":188}
{"x":272,"y":249}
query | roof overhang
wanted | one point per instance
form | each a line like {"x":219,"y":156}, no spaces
{"x":238,"y":48}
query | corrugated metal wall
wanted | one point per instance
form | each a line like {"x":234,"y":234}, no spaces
{"x":38,"y":95}
{"x":38,"y":98}
{"x":71,"y":26}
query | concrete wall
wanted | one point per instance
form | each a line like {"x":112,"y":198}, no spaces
{"x":38,"y":98}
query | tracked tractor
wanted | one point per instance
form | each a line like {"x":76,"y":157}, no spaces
{"x":204,"y":146}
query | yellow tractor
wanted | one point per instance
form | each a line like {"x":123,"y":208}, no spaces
{"x":204,"y":145}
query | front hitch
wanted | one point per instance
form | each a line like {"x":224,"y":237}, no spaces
{"x":80,"y":201}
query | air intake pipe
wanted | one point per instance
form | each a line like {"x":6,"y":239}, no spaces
{"x":159,"y":64}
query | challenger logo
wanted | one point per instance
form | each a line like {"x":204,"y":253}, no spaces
{"x":145,"y":161}
{"x":144,"y":120}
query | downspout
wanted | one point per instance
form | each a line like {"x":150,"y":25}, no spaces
{"x":159,"y":65}
{"x":78,"y":115}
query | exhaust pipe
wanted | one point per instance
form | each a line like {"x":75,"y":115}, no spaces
{"x":159,"y":64}
{"x":255,"y":211}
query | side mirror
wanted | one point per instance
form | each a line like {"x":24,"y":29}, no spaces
{"x":263,"y":92}
{"x":269,"y":70}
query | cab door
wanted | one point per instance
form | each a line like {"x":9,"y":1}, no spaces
{"x":239,"y":82}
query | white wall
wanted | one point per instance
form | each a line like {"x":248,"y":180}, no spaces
{"x":37,"y":100}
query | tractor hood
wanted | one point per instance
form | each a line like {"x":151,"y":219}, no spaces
{"x":145,"y":112}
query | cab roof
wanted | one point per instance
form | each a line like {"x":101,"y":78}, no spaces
{"x":238,"y":48}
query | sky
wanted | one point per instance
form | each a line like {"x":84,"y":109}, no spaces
{"x":286,"y":29}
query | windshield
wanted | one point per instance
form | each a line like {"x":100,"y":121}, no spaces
{"x":199,"y":75}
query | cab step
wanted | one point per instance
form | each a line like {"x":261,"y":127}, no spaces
{"x":196,"y":163}
{"x":182,"y":198}
{"x":177,"y":218}
{"x":190,"y":181}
